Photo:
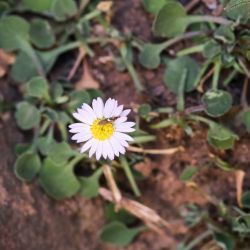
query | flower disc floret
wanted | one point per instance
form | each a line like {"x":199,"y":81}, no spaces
{"x":101,"y":131}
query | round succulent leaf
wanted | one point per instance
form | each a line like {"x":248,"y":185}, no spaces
{"x":153,"y":6}
{"x":59,"y":153}
{"x":171,"y":20}
{"x":221,"y":137}
{"x":90,"y":185}
{"x":77,"y":98}
{"x":176,"y":68}
{"x":238,"y":10}
{"x":27,"y":115}
{"x":150,"y":55}
{"x":59,"y":181}
{"x":38,"y":87}
{"x":4,"y":7}
{"x":217,"y":102}
{"x":118,"y":233}
{"x":41,"y":33}
{"x":37,"y":6}
{"x":23,"y":69}
{"x":224,"y":240}
{"x":43,"y":144}
{"x":211,"y":49}
{"x":246,"y":120}
{"x":225,"y":34}
{"x":63,"y":9}
{"x":245,"y":199}
{"x":14,"y":31}
{"x":27,"y":166}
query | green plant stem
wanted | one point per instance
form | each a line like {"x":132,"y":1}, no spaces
{"x":129,"y":175}
{"x":210,"y":19}
{"x":217,"y":68}
{"x":197,"y":240}
{"x":201,"y":119}
{"x":230,"y":77}
{"x":76,"y":159}
{"x":195,"y":49}
{"x":89,"y":16}
{"x":66,"y":47}
{"x":181,"y":90}
{"x":177,"y":39}
{"x":202,"y":71}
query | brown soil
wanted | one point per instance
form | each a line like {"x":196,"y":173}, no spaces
{"x":31,"y":220}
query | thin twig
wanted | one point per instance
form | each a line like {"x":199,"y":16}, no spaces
{"x":244,"y":67}
{"x":204,"y":79}
{"x":144,"y":213}
{"x":167,"y":151}
{"x":191,"y":5}
{"x":239,"y":178}
{"x":116,"y":194}
{"x":79,"y":59}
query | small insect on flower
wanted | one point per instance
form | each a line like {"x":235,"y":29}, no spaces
{"x":102,"y":128}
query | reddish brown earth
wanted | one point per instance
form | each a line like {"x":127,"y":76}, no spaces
{"x":29,"y":219}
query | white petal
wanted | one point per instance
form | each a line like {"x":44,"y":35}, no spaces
{"x":111,"y":155}
{"x":125,"y":127}
{"x":99,"y":150}
{"x":109,"y":107}
{"x":81,"y":137}
{"x":98,"y":107}
{"x":124,"y":143}
{"x":90,"y":111}
{"x":116,"y":146}
{"x":78,"y":129}
{"x":76,"y":125}
{"x":87,"y":145}
{"x":120,"y":120}
{"x":122,"y":136}
{"x":93,"y":148}
{"x":125,"y":112}
{"x":118,"y":110}
{"x":105,"y":149}
{"x":83,"y":116}
{"x":114,"y":109}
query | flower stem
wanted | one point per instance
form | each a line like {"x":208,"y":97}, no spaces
{"x":130,"y":176}
{"x":217,"y":68}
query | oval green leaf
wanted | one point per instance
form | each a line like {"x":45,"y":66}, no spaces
{"x":217,"y":102}
{"x":27,"y":166}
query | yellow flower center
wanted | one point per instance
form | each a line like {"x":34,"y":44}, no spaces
{"x":102,"y":129}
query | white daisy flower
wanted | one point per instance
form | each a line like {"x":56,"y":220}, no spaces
{"x":102,"y":128}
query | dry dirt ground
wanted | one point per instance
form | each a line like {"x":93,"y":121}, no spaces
{"x":29,"y":219}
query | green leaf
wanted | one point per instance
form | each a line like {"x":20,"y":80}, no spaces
{"x":22,"y":148}
{"x":175,"y":70}
{"x":58,"y":181}
{"x":38,"y":5}
{"x":245,"y":199}
{"x":118,"y":234}
{"x":43,"y":144}
{"x":27,"y":116}
{"x":90,"y":185}
{"x":27,"y":166}
{"x":224,"y":241}
{"x":217,"y":102}
{"x":153,"y":6}
{"x":77,"y":98}
{"x":188,"y":173}
{"x":4,"y":7}
{"x":225,"y":34}
{"x":165,"y":123}
{"x":238,"y":10}
{"x":246,"y":120}
{"x":144,"y":110}
{"x":221,"y":137}
{"x":63,"y":9}
{"x":14,"y":31}
{"x":59,"y":153}
{"x":41,"y":33}
{"x":150,"y":55}
{"x":211,"y":49}
{"x":23,"y":69}
{"x":171,"y":20}
{"x":38,"y":87}
{"x":242,"y":224}
{"x":121,"y":215}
